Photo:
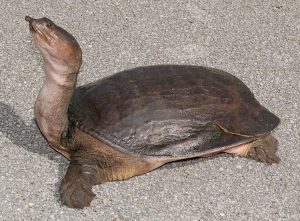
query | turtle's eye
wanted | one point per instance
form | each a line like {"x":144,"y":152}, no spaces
{"x":49,"y":25}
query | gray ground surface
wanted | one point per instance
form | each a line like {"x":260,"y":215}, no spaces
{"x":258,"y":42}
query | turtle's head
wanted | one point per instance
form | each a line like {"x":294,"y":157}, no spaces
{"x":59,"y":48}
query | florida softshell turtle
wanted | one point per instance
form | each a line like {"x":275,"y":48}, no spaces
{"x":137,"y":120}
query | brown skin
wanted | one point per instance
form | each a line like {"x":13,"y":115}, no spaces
{"x":62,"y":60}
{"x":94,"y":161}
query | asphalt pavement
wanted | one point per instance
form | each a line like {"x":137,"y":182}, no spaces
{"x":257,"y":41}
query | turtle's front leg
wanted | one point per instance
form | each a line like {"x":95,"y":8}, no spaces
{"x":76,"y":187}
{"x":89,"y":167}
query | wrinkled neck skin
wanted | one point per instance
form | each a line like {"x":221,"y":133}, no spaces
{"x":51,"y":106}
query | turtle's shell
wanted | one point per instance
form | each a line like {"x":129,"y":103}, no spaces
{"x":170,"y":110}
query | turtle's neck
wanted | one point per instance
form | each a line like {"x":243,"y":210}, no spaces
{"x":51,"y":106}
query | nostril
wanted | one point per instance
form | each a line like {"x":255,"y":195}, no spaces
{"x":29,"y":19}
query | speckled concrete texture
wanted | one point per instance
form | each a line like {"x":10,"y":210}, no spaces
{"x":257,"y":41}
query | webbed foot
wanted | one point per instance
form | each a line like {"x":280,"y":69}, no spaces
{"x":265,"y":151}
{"x":76,"y":187}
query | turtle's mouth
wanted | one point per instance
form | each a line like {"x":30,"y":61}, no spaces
{"x":40,"y":36}
{"x":30,"y":21}
{"x":33,"y":26}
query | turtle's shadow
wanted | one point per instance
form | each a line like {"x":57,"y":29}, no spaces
{"x":27,"y":137}
{"x":30,"y":138}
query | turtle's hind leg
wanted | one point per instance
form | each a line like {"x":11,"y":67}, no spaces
{"x":263,"y":149}
{"x":76,"y":187}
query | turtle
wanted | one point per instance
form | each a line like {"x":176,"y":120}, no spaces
{"x":139,"y":119}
